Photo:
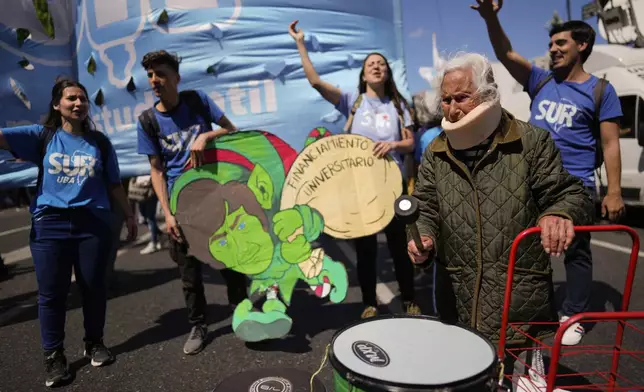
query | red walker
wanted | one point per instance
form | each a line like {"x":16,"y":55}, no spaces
{"x":613,"y":381}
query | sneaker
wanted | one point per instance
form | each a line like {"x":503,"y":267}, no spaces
{"x":368,"y":312}
{"x":411,"y":308}
{"x":195,"y":342}
{"x":151,"y":247}
{"x":573,"y":335}
{"x":56,"y":368}
{"x":98,"y":353}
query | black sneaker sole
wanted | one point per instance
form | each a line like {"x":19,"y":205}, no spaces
{"x":96,"y":363}
{"x":57,"y":382}
{"x":195,"y":352}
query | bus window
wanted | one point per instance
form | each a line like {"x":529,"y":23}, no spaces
{"x":627,"y":126}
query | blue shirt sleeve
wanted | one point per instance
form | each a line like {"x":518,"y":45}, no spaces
{"x":536,"y":75}
{"x":23,"y":142}
{"x":346,"y":103}
{"x":112,"y":166}
{"x":145,"y":144}
{"x":610,"y":106}
{"x":215,"y":112}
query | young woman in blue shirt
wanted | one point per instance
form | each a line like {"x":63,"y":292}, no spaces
{"x":79,"y":179}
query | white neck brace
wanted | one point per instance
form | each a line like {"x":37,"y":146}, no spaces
{"x":474,"y":127}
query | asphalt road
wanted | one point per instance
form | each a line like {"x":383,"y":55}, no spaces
{"x":147,"y":322}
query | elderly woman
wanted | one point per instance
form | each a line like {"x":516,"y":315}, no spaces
{"x":486,"y":178}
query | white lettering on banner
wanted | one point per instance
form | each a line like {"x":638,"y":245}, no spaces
{"x":556,"y":113}
{"x":238,"y":100}
{"x":72,"y":169}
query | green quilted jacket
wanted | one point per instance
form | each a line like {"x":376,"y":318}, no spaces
{"x":473,"y":218}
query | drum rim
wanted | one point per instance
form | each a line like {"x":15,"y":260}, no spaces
{"x":363,"y":381}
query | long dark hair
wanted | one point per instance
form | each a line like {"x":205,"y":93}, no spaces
{"x":391,"y":91}
{"x":54,"y":119}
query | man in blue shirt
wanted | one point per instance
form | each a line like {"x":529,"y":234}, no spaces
{"x":175,"y":131}
{"x":563,"y":102}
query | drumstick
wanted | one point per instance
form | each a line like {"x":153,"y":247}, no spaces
{"x":407,"y":211}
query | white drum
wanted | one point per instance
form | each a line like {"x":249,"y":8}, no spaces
{"x":411,"y":353}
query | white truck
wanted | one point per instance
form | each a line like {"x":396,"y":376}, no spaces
{"x":623,"y":66}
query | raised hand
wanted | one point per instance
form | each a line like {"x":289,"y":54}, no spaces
{"x":298,"y":35}
{"x":487,"y":8}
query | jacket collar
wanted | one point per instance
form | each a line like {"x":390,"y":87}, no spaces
{"x":506,"y":132}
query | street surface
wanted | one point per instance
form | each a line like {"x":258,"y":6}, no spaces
{"x":147,"y":321}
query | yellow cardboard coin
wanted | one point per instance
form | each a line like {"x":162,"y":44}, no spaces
{"x":341,"y":178}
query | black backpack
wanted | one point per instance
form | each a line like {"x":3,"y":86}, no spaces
{"x":47,"y":134}
{"x":196,"y":105}
{"x":598,"y":92}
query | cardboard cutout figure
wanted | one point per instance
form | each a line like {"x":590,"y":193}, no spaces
{"x":230,"y":213}
{"x":255,"y":206}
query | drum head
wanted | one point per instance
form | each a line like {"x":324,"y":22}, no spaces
{"x":414,"y":352}
{"x":271,"y":380}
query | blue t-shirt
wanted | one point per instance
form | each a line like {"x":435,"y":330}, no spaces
{"x":178,"y":130}
{"x":376,"y":119}
{"x":72,"y":168}
{"x":423,"y":139}
{"x":567,"y":109}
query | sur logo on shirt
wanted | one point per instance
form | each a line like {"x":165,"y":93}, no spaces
{"x":72,"y":169}
{"x":557,"y":114}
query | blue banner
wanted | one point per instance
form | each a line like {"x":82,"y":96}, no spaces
{"x":237,"y":51}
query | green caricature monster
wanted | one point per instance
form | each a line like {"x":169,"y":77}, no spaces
{"x":229,"y":213}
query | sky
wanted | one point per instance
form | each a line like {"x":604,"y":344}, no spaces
{"x":458,"y":27}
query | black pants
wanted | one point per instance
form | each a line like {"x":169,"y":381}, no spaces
{"x":367,"y":253}
{"x":192,"y":279}
{"x":578,"y":261}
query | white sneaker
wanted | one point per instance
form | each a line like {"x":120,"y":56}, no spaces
{"x":151,"y":247}
{"x":573,"y":335}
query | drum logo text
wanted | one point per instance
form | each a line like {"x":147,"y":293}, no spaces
{"x":370,"y":353}
{"x":271,"y":384}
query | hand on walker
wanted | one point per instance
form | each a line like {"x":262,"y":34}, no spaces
{"x":557,"y":234}
{"x":415,"y":255}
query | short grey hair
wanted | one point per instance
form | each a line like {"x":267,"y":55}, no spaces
{"x":482,"y":75}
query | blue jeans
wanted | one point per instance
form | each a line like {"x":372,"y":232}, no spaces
{"x":578,"y":260}
{"x":148,"y":209}
{"x":62,"y":239}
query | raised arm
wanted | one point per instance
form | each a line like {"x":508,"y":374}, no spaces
{"x":328,"y":91}
{"x":518,"y":66}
